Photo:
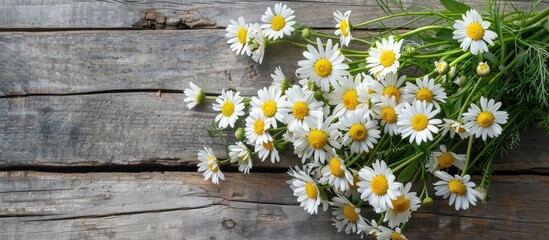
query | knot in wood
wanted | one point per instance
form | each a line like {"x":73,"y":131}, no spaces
{"x":228,"y":223}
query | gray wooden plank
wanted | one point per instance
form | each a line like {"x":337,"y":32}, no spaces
{"x":179,"y":205}
{"x":127,"y":14}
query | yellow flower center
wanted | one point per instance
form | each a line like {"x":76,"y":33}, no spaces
{"x":335,"y":167}
{"x":483,"y":67}
{"x":389,"y":115}
{"x":311,"y":190}
{"x":300,"y":110}
{"x":401,"y":204}
{"x":323,"y":67}
{"x":350,"y":99}
{"x":379,"y":185}
{"x":475,"y":31}
{"x":349,"y":212}
{"x":387,"y":58}
{"x":358,"y":132}
{"x":278,"y":23}
{"x":259,"y":127}
{"x":354,"y":186}
{"x":268,"y":146}
{"x":227,"y":109}
{"x":392,"y":91}
{"x":343,"y":27}
{"x":445,"y":160}
{"x":211,"y":166}
{"x":241,"y":35}
{"x":457,"y":187}
{"x":440,"y":66}
{"x":317,"y":139}
{"x":397,"y":236}
{"x":269,"y":108}
{"x":419,"y":122}
{"x":424,"y":94}
{"x":485,"y":119}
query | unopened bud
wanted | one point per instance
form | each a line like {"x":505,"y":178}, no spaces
{"x":442,"y":67}
{"x":306,"y":33}
{"x":239,"y":134}
{"x":409,"y":49}
{"x":483,"y":69}
{"x":428,"y":201}
{"x":461,"y":81}
{"x":481,"y":193}
{"x":319,"y":95}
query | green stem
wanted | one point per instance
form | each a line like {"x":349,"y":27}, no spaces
{"x":467,"y":101}
{"x":402,"y":15}
{"x":414,"y":157}
{"x":442,"y":54}
{"x":418,"y":30}
{"x":349,"y":164}
{"x":468,"y":157}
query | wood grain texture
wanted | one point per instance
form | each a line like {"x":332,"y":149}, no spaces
{"x":126,"y":14}
{"x":180,"y":205}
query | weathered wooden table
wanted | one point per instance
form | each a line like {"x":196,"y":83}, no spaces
{"x":95,"y":141}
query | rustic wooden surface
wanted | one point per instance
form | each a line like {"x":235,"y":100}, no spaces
{"x":84,"y":88}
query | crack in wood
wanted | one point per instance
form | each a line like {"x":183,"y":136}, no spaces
{"x":154,"y":20}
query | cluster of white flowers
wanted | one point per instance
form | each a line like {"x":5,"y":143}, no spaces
{"x":336,"y":117}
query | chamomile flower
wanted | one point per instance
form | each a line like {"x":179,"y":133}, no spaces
{"x":418,"y":121}
{"x":305,"y":189}
{"x":364,"y":90}
{"x":209,"y":166}
{"x":377,"y":185}
{"x":269,"y":100}
{"x":403,"y":206}
{"x":256,"y":128}
{"x":388,"y":86}
{"x":485,"y":121}
{"x":323,"y":66}
{"x":483,"y":69}
{"x":383,"y":58}
{"x":445,"y":159}
{"x":386,"y":111}
{"x":231,"y":107}
{"x":240,"y":154}
{"x":193,"y":96}
{"x":347,"y":216}
{"x":459,"y":189}
{"x":300,"y":108}
{"x":473,"y":32}
{"x":442,"y":67}
{"x":263,"y":150}
{"x":343,"y":27}
{"x":280,"y":81}
{"x":258,"y":43}
{"x":317,"y":140}
{"x":454,"y":127}
{"x":336,"y":174}
{"x":361,"y":132}
{"x":345,"y":95}
{"x":279,"y":22}
{"x":424,"y":90}
{"x":238,"y":34}
{"x":385,"y":233}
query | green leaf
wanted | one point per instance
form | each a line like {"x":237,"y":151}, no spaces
{"x":445,"y":34}
{"x":491,"y":58}
{"x":546,"y":25}
{"x":455,"y":6}
{"x":408,"y":171}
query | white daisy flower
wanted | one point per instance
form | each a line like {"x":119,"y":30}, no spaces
{"x":231,"y":107}
{"x":263,"y":150}
{"x":347,"y":216}
{"x":386,"y":110}
{"x":208,"y":165}
{"x":425,"y":90}
{"x":364,"y":90}
{"x":378,"y":186}
{"x":258,"y":43}
{"x":361,"y":132}
{"x":473,"y":32}
{"x":459,"y":189}
{"x":383,"y":58}
{"x":256,"y":128}
{"x":454,"y":127}
{"x":317,"y":140}
{"x":278,"y":23}
{"x":336,"y":174}
{"x":442,"y":67}
{"x":300,"y":108}
{"x":483,"y":69}
{"x":403,"y":206}
{"x":240,"y":154}
{"x":385,"y":233}
{"x":345,"y":95}
{"x":269,"y":100}
{"x":193,"y":96}
{"x":343,"y":27}
{"x":418,"y":121}
{"x":238,"y":34}
{"x":485,"y":121}
{"x":323,"y":66}
{"x":445,"y":159}
{"x":352,"y":190}
{"x":388,"y":86}
{"x":280,"y":81}
{"x":305,"y":189}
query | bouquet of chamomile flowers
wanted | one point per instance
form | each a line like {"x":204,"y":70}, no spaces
{"x":364,"y":130}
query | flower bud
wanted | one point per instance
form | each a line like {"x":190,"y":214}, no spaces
{"x":239,"y":134}
{"x":481,"y":193}
{"x":409,"y":49}
{"x":442,"y":67}
{"x":306,"y":33}
{"x":319,"y":95}
{"x":428,"y":201}
{"x":461,"y":81}
{"x":483,"y":69}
